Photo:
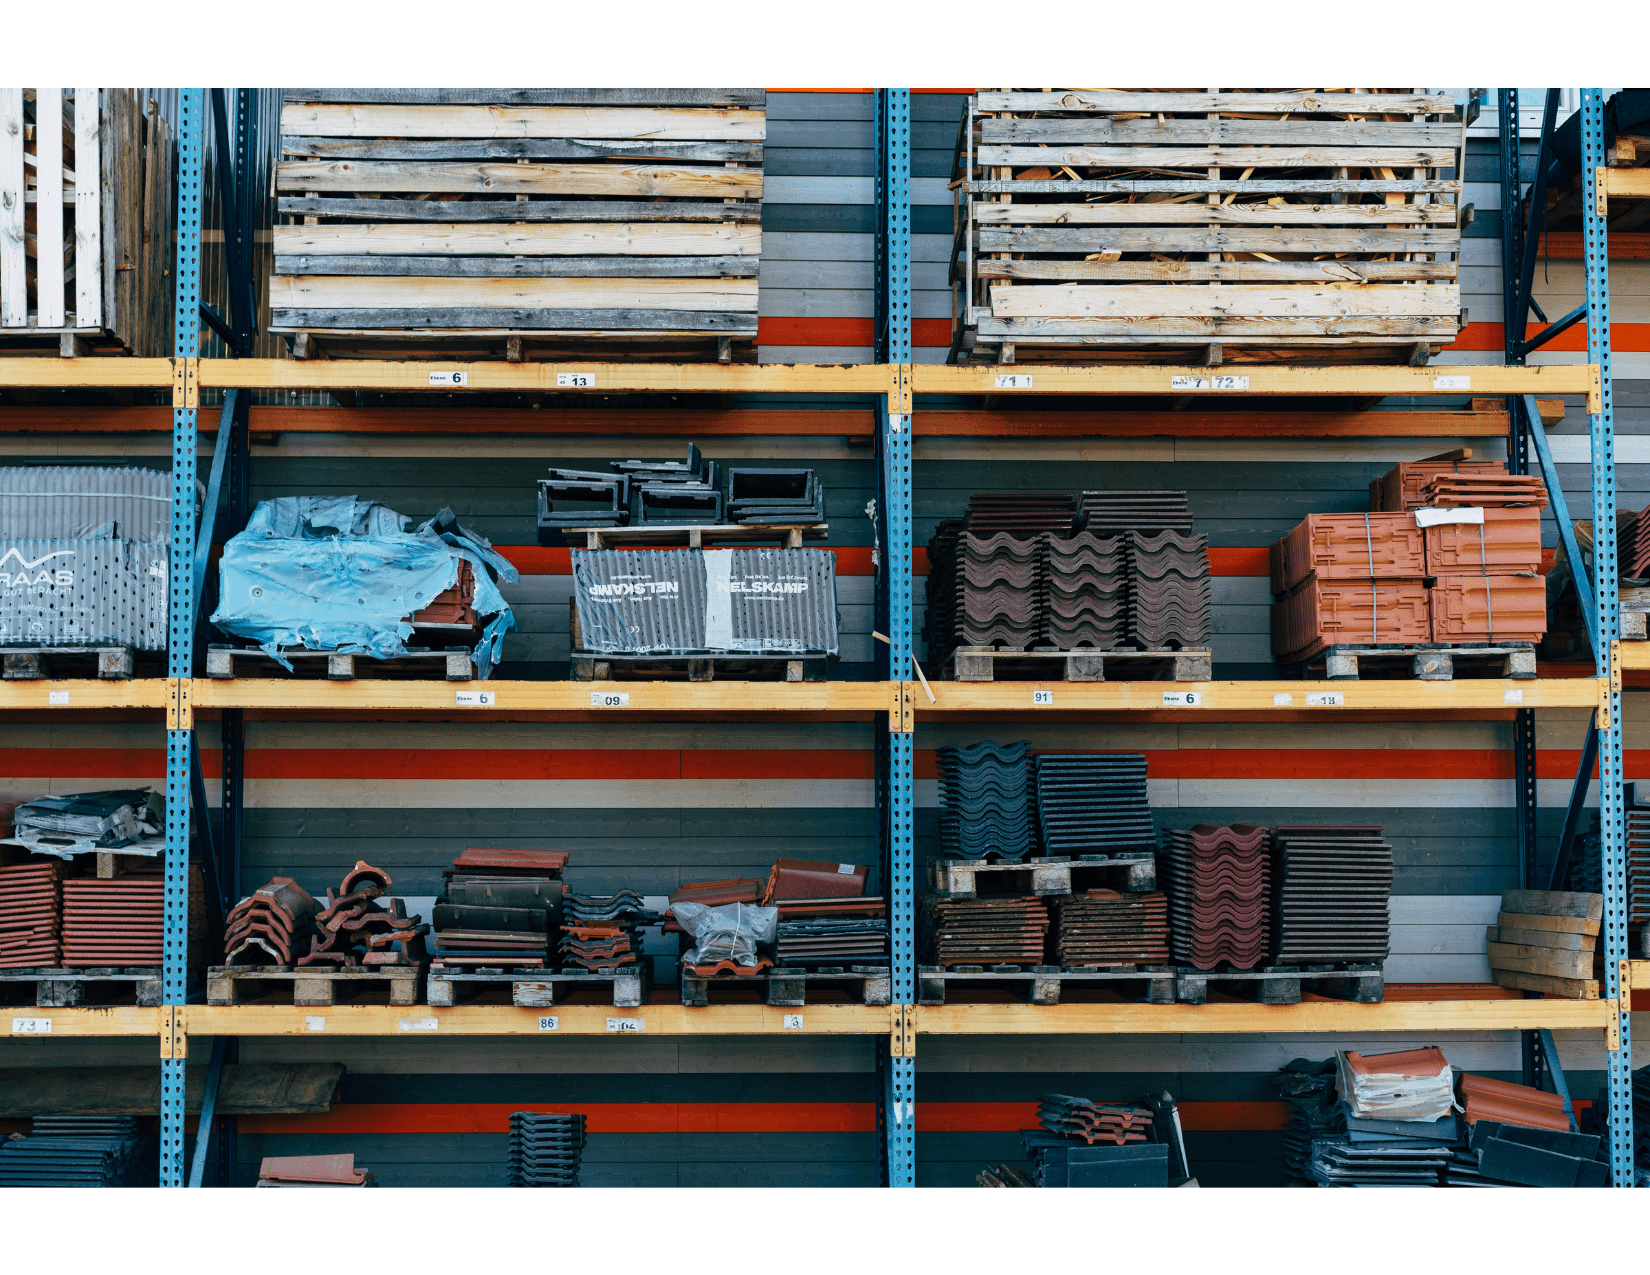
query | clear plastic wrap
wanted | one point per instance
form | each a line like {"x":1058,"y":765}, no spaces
{"x":728,"y":933}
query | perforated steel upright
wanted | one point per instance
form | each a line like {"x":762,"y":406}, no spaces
{"x":180,"y":636}
{"x":1612,"y":820}
{"x":897,"y":783}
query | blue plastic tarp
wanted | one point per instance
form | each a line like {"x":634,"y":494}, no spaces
{"x":336,"y":573}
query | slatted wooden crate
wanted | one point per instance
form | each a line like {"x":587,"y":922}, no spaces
{"x":86,"y":217}
{"x":523,"y":223}
{"x":1207,"y":226}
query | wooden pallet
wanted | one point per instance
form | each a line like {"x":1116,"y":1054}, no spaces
{"x":1136,"y":226}
{"x":595,"y":666}
{"x":866,"y":984}
{"x":786,"y":535}
{"x":92,"y":275}
{"x":961,"y":878}
{"x":540,"y":223}
{"x":56,"y":987}
{"x":1042,"y":984}
{"x":1283,"y":985}
{"x":313,"y":984}
{"x":109,"y":663}
{"x":989,"y":664}
{"x":1423,"y":661}
{"x":418,"y":664}
{"x":540,"y":989}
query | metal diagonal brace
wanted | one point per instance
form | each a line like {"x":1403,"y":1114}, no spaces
{"x":1555,"y":1069}
{"x":1548,"y":333}
{"x":209,"y":1110}
{"x":1578,"y":803}
{"x":214,"y":487}
{"x":1561,"y":511}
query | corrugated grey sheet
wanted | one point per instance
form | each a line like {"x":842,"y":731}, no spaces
{"x":67,"y":592}
{"x":61,"y":502}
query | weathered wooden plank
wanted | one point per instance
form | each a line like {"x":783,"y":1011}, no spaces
{"x":1216,"y":271}
{"x":627,"y":180}
{"x":1104,"y":131}
{"x":663,"y":124}
{"x":1189,"y":214}
{"x":555,"y":240}
{"x":1236,"y":183}
{"x":325,"y":292}
{"x":1553,"y":903}
{"x":1557,"y":924}
{"x":534,"y":210}
{"x":1576,"y":989}
{"x":88,"y":212}
{"x":14,"y":297}
{"x":521,"y":148}
{"x":1227,"y":157}
{"x":48,"y":214}
{"x":1136,"y":301}
{"x":436,"y":319}
{"x":535,"y":97}
{"x":1219,"y":327}
{"x":1541,"y":938}
{"x":523,"y":267}
{"x":1540,"y":960}
{"x":1083,"y":239}
{"x":1302,"y":101}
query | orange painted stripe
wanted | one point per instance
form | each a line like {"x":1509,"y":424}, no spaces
{"x":1623,"y":247}
{"x":1624,"y":337}
{"x":1338,"y":763}
{"x":781,"y":330}
{"x":1239,"y":562}
{"x":543,"y":560}
{"x":600,"y":1117}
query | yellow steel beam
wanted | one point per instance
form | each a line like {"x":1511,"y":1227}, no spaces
{"x":1308,"y":1016}
{"x":146,"y":692}
{"x":1632,"y":655}
{"x":1630,"y":183}
{"x":88,"y":373}
{"x":563,"y":1020}
{"x":502,"y":697}
{"x":49,"y":1024}
{"x":593,"y":378}
{"x":1194,"y":697}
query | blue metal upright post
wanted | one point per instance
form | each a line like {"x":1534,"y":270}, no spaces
{"x":1612,"y":822}
{"x":897,"y":1100}
{"x":180,"y":632}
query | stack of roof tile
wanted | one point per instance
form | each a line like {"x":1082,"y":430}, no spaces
{"x":1633,"y":544}
{"x":500,"y":908}
{"x":1095,"y":1122}
{"x":1507,"y":1103}
{"x":986,"y":797}
{"x":1001,"y":578}
{"x":1478,"y":608}
{"x":1401,"y":488}
{"x":272,"y":925}
{"x":118,"y":921}
{"x":1021,"y":514}
{"x":1085,"y":591}
{"x":1098,"y":929}
{"x":312,"y":1171}
{"x":1218,"y":881}
{"x":604,"y":931}
{"x":545,"y":1149}
{"x":814,"y":936}
{"x":1096,"y":1144}
{"x":1169,"y":600}
{"x":77,"y":1151}
{"x":1485,"y":490}
{"x":1370,"y":546}
{"x":1396,"y":1125}
{"x":1109,"y":513}
{"x":984,"y":931}
{"x":1092,"y":803}
{"x":677,"y":493}
{"x":1507,"y":542}
{"x":355,"y":929}
{"x":31,"y":913}
{"x":1314,"y":1110}
{"x":1638,"y":865}
{"x":1349,"y":578}
{"x":1332,"y":895}
{"x":1502,"y":1155}
{"x":769,"y":497}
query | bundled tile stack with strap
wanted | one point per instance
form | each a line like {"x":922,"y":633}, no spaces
{"x":1218,"y":881}
{"x":356,"y":929}
{"x":1348,"y":579}
{"x":824,"y":917}
{"x":986,"y":801}
{"x":499,"y":909}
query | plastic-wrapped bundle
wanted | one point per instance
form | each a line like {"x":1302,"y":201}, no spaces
{"x":735,"y":932}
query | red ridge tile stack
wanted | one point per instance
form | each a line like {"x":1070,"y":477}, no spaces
{"x":1219,"y":885}
{"x":1401,"y":487}
{"x":1507,"y":1103}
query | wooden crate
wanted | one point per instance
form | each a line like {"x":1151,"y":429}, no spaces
{"x":519,"y":223}
{"x":86,"y":223}
{"x":1207,"y":226}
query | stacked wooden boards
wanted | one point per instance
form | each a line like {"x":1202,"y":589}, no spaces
{"x":527,"y":222}
{"x":87,"y":196}
{"x":1174,"y":226}
{"x":1545,"y":940}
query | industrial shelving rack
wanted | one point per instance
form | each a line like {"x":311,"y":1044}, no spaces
{"x":895,"y":701}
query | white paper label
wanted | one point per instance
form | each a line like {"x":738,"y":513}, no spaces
{"x":313,"y":1023}
{"x":1182,"y":699}
{"x":549,"y":1024}
{"x":476,"y":699}
{"x":1325,"y":699}
{"x":449,"y":378}
{"x":1512,"y":697}
{"x":1432,"y":516}
{"x":609,"y":699}
{"x":1281,"y":699}
{"x":845,"y":869}
{"x":1042,"y":698}
{"x":623,"y":1025}
{"x":57,"y":697}
{"x":793,"y":1022}
{"x":31,"y":1026}
{"x":575,"y":380}
{"x":1208,"y":382}
{"x":1452,"y":382}
{"x":1014,"y":381}
{"x":420,"y":1024}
